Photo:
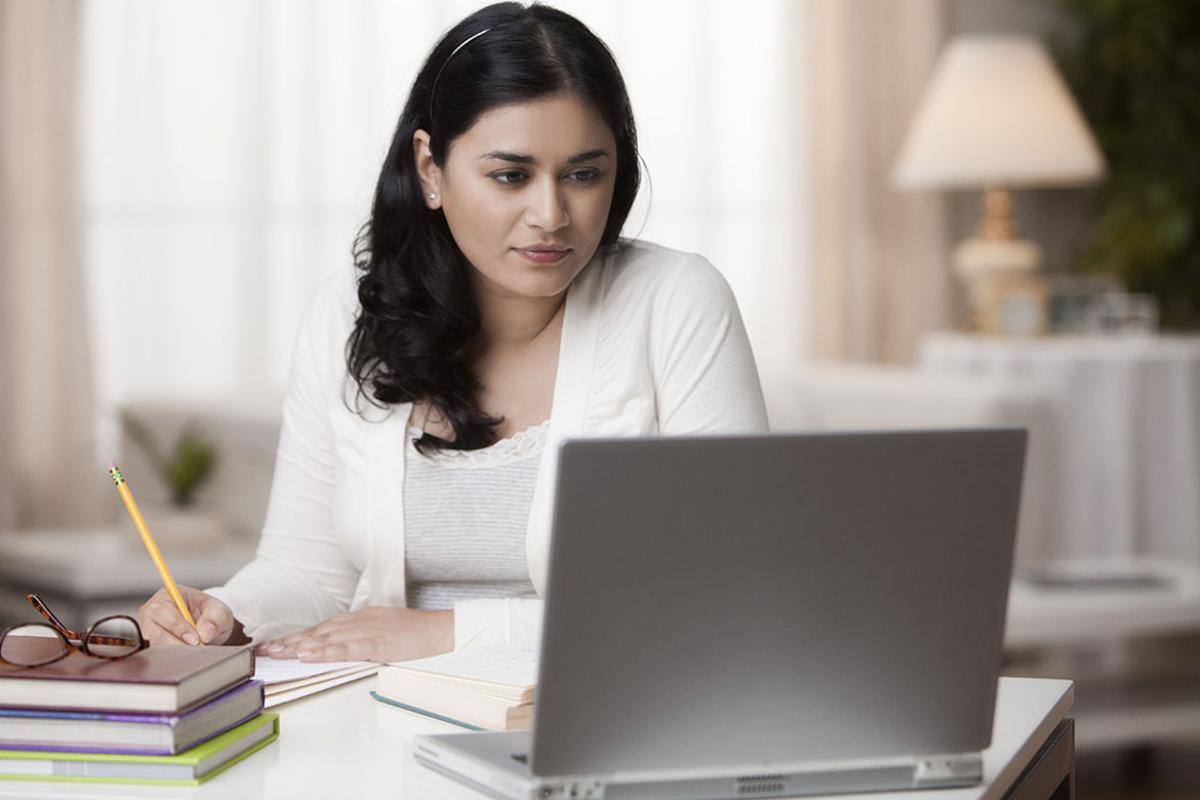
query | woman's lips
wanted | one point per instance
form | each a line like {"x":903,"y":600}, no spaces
{"x":544,"y":256}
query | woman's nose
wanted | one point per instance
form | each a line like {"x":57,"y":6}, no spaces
{"x":547,"y":207}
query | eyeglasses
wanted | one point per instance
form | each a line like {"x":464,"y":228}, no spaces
{"x":35,"y":644}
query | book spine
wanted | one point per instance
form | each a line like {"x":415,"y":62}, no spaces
{"x":32,"y":747}
{"x":88,"y":716}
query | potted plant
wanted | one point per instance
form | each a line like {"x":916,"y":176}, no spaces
{"x":1135,"y":69}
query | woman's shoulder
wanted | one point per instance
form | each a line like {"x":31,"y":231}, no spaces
{"x":648,"y":274}
{"x":638,"y":260}
{"x":337,"y":292}
{"x":333,"y":304}
{"x":326,"y":323}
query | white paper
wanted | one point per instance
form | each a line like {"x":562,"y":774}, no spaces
{"x":288,"y":695}
{"x":14,"y":766}
{"x":504,"y":663}
{"x":280,"y":670}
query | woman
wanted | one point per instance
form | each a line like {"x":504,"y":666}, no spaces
{"x":497,"y":313}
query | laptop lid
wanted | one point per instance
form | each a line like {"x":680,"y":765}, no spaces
{"x":732,"y":601}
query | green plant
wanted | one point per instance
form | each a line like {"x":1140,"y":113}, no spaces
{"x":1135,"y":69}
{"x":185,"y":468}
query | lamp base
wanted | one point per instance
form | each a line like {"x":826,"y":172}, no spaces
{"x":1007,"y":296}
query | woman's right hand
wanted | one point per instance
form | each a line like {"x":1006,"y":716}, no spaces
{"x":162,"y":622}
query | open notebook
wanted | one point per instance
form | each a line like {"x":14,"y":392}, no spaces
{"x":288,"y":679}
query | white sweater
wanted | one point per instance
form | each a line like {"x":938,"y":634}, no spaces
{"x":652,"y":343}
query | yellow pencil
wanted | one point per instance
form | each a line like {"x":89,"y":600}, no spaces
{"x":148,"y":540}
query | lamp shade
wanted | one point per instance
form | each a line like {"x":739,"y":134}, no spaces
{"x":997,"y":113}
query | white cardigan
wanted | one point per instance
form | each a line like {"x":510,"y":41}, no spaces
{"x":652,"y":343}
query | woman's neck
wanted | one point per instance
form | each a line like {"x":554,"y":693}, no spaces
{"x":514,"y":323}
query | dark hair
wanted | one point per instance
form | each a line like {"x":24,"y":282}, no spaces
{"x":418,"y":318}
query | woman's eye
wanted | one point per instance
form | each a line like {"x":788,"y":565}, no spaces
{"x":585,"y":175}
{"x":510,"y":177}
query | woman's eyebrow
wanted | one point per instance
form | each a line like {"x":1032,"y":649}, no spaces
{"x":502,"y":155}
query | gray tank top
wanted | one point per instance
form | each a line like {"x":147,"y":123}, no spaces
{"x":465,"y":517}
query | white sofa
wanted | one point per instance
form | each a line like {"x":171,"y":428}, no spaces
{"x":245,"y":438}
{"x":844,"y":396}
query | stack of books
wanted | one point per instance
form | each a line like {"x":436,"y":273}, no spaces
{"x":486,"y":688}
{"x":170,"y":714}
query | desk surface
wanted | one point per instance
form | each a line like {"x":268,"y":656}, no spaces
{"x":341,"y":743}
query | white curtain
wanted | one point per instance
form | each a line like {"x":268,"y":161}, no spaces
{"x":48,"y":473}
{"x":879,"y":277}
{"x":230,"y":148}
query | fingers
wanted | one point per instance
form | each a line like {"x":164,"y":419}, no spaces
{"x":157,"y":634}
{"x":214,"y":620}
{"x":162,"y":623}
{"x":369,"y":634}
{"x":310,"y":640}
{"x":351,"y":650}
{"x":291,"y":646}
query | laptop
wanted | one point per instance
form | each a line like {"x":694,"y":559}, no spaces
{"x":766,"y":616}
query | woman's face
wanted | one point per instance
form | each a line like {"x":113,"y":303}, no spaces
{"x":526,"y":192}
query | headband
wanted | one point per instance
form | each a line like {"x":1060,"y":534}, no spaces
{"x":438,"y":77}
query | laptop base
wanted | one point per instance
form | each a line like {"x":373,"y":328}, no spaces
{"x":496,"y":764}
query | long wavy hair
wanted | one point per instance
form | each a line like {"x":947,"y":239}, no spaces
{"x":418,"y":316}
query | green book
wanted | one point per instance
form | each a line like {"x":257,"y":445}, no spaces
{"x":189,"y":768}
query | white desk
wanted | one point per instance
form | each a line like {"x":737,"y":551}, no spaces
{"x":343,"y":744}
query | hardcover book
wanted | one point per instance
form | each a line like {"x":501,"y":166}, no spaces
{"x":163,"y":678}
{"x":186,"y":769}
{"x":133,"y":734}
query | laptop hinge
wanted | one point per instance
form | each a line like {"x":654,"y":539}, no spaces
{"x":568,"y":789}
{"x":951,"y":770}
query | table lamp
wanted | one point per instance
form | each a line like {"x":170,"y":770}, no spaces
{"x":997,"y":115}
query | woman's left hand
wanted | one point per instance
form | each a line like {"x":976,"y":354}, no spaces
{"x":369,"y":634}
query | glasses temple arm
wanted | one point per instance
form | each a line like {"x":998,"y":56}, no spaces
{"x":45,"y":611}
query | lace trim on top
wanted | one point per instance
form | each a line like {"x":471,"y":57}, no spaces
{"x":518,"y":447}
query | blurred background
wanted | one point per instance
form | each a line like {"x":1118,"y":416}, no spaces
{"x":932,"y":212}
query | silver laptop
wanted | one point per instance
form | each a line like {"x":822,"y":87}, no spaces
{"x":770,"y":616}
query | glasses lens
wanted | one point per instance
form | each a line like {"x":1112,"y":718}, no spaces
{"x":31,"y":645}
{"x":114,"y":637}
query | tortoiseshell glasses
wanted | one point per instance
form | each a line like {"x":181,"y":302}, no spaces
{"x":35,"y":644}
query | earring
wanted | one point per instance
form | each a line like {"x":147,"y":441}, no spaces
{"x":432,"y":195}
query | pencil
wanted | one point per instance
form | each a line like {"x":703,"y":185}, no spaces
{"x":148,"y":540}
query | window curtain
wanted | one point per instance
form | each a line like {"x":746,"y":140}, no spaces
{"x":49,"y":473}
{"x":878,"y":258}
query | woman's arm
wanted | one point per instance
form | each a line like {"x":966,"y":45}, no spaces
{"x":478,"y":623}
{"x":300,"y":576}
{"x":706,"y":381}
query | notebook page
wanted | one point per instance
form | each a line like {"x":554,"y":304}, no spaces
{"x":281,"y":670}
{"x":511,"y":665}
{"x":298,"y":689}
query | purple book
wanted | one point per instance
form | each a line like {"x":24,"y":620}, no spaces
{"x":132,"y":734}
